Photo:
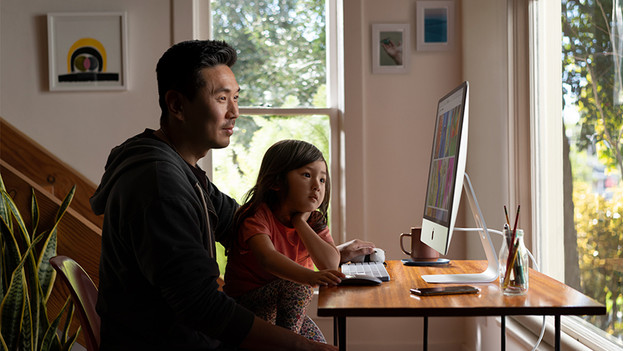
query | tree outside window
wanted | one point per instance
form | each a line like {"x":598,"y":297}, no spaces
{"x":592,"y":118}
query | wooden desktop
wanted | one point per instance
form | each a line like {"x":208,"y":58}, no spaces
{"x":546,"y":296}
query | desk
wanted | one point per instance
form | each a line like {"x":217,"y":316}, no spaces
{"x":546,"y":296}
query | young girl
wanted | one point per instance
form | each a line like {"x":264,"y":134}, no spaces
{"x":282,"y":234}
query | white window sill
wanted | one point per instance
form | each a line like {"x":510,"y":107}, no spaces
{"x":526,"y":329}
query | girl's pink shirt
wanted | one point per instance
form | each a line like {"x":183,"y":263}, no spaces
{"x":243,"y":272}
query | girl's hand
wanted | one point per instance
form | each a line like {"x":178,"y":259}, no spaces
{"x":300,"y":216}
{"x":324,"y":277}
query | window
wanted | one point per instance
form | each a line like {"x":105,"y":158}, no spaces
{"x":586,"y":155}
{"x":287,"y":71}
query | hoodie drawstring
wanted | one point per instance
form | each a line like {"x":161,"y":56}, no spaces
{"x":207,"y":216}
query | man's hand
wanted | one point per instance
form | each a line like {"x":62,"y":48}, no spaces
{"x":354,"y":248}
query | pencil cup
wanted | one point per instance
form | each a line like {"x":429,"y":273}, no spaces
{"x":514,"y":263}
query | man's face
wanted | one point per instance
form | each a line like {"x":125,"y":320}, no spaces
{"x":209,"y":117}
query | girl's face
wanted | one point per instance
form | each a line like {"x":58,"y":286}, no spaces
{"x":306,"y":188}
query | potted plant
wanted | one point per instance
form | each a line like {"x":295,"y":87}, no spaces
{"x":27,"y":279}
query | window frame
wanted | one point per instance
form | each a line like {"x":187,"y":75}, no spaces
{"x":533,"y":20}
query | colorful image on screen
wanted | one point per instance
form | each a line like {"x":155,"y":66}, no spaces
{"x":443,"y":165}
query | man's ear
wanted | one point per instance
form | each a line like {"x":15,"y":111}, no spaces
{"x":174,"y":100}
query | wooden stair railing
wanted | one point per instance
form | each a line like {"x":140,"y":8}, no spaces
{"x":46,"y":170}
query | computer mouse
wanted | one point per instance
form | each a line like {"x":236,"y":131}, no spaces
{"x":360,"y":279}
{"x":378,"y":255}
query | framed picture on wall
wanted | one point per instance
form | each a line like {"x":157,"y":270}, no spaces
{"x":434,"y":25}
{"x":391,"y":48}
{"x":87,"y":51}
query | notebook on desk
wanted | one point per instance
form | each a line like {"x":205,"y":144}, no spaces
{"x":375,"y":269}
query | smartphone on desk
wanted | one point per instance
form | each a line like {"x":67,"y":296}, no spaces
{"x":445,"y":290}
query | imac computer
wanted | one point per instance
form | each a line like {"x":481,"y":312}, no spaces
{"x":446,"y":179}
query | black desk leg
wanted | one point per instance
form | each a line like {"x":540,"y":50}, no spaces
{"x":340,"y":332}
{"x":335,"y":331}
{"x":425,"y":332}
{"x":557,"y":332}
{"x":503,"y":333}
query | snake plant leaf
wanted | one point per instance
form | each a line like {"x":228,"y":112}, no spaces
{"x":65,"y":204}
{"x":12,"y":309}
{"x":13,"y":304}
{"x":68,"y":344}
{"x":5,"y":213}
{"x":45,"y":271}
{"x":3,"y":344}
{"x":32,"y":278}
{"x":50,"y":339}
{"x":12,"y":255}
{"x":28,"y":339}
{"x":42,"y":320}
{"x":68,"y":341}
{"x":34,"y":211}
{"x":17,"y":216}
{"x":1,"y":273}
{"x":68,"y":320}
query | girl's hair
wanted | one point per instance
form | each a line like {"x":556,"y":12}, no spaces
{"x":281,"y":158}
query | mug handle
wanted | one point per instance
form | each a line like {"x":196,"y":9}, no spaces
{"x":401,"y":241}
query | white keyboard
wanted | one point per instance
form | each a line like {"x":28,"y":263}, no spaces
{"x":375,"y":269}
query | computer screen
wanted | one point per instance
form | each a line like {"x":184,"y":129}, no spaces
{"x":446,"y":169}
{"x":447,"y":178}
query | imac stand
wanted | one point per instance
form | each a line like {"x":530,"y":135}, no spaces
{"x":491,"y":273}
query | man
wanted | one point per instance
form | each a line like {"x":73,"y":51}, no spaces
{"x":158,"y":274}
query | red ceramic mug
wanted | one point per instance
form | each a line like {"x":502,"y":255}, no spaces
{"x":419,"y":250}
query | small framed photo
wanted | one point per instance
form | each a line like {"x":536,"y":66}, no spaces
{"x":87,"y":51}
{"x":435,"y":25}
{"x":391,"y":48}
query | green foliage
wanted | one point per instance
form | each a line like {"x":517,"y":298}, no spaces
{"x":281,"y":47}
{"x":592,"y":85}
{"x":592,"y":71}
{"x":598,"y":223}
{"x":26,"y":280}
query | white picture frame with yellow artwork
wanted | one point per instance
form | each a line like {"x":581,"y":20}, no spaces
{"x":87,"y":51}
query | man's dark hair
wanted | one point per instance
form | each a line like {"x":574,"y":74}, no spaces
{"x":179,"y":67}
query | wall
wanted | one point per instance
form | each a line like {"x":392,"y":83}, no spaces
{"x":96,"y":121}
{"x":388,"y":123}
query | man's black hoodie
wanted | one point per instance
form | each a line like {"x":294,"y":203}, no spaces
{"x":158,"y":270}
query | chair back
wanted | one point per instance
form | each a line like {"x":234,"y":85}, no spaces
{"x":84,"y":293}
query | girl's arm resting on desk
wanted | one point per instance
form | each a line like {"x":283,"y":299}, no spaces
{"x":265,"y":336}
{"x":324,"y":254}
{"x":281,"y":266}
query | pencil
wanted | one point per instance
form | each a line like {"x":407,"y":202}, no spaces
{"x":506,"y":214}
{"x":516,"y":221}
{"x":512,"y":250}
